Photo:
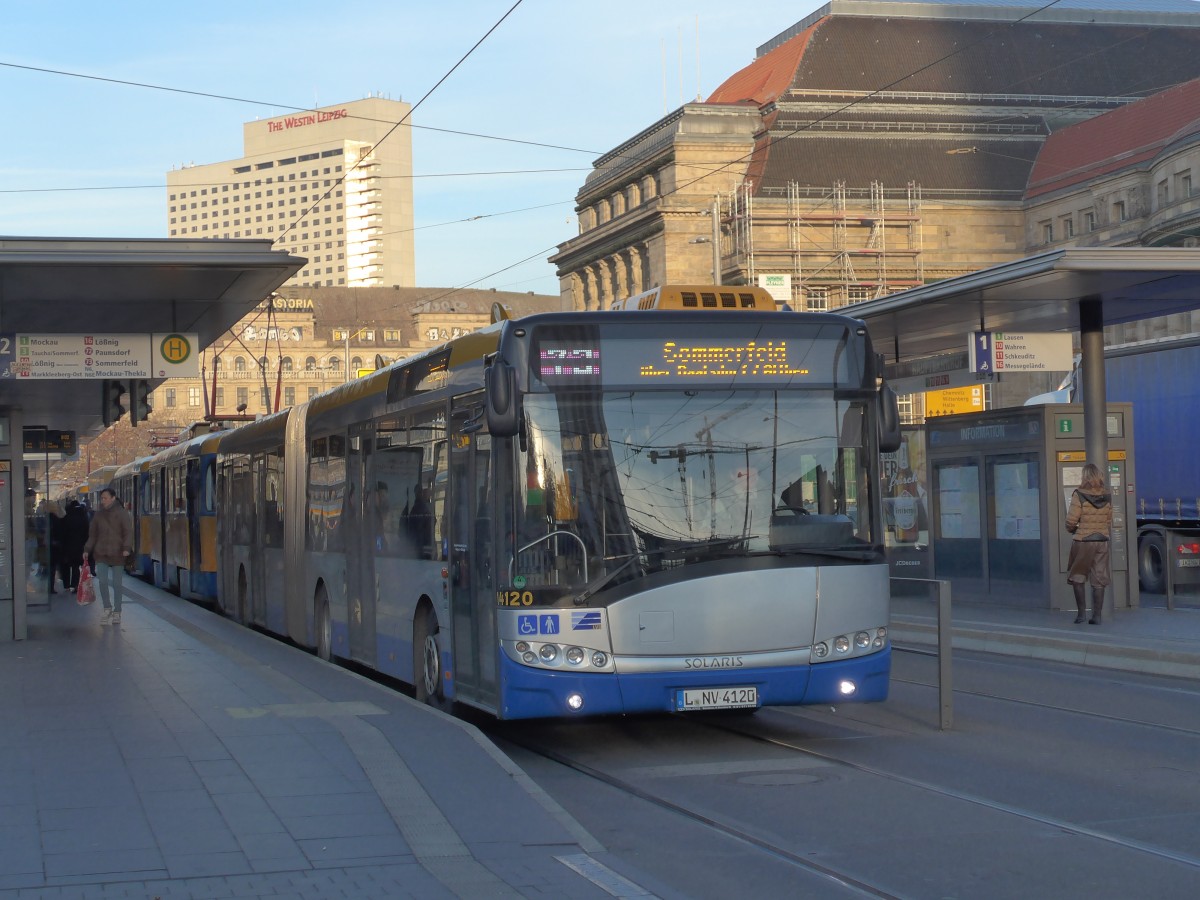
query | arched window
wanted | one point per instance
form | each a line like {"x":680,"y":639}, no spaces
{"x":310,"y":364}
{"x":356,"y":363}
{"x":264,"y":364}
{"x":239,"y":364}
{"x":335,"y":364}
{"x":286,"y":364}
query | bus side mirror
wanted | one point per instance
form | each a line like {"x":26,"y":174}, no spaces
{"x":889,"y":420}
{"x":503,"y":411}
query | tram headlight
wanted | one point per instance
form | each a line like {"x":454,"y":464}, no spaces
{"x":841,"y":644}
{"x":574,"y":655}
{"x":529,"y":656}
{"x":599,"y":659}
{"x":862,"y":640}
{"x":821,"y":650}
{"x":549,"y":653}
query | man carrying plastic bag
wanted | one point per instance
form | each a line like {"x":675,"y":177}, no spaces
{"x":110,"y":538}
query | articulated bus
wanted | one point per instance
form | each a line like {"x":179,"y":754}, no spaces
{"x":582,"y":513}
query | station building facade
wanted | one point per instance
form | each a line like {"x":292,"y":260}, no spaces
{"x":332,"y":185}
{"x":872,"y":147}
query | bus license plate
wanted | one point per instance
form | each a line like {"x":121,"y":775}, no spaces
{"x":716,"y":698}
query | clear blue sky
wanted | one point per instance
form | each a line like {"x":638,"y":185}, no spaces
{"x":579,"y":75}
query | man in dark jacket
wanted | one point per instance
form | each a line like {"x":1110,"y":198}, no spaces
{"x":75,"y":527}
{"x":110,"y":538}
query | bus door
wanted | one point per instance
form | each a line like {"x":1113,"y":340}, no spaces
{"x":472,"y":519}
{"x":359,"y":544}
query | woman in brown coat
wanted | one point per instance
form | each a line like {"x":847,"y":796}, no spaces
{"x":1089,"y":518}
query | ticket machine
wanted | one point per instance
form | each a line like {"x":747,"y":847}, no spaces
{"x":1000,"y":483}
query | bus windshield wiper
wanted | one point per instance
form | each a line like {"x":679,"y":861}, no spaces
{"x":606,"y":578}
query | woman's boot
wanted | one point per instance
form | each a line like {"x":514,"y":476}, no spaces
{"x":1080,"y":603}
{"x":1097,"y":605}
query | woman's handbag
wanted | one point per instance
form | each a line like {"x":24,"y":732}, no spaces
{"x":86,"y":592}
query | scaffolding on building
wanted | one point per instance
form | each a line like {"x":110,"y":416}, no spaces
{"x":838,"y":246}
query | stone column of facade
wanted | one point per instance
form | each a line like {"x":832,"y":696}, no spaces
{"x":636,"y":261}
{"x":600,"y":279}
{"x":616,"y":280}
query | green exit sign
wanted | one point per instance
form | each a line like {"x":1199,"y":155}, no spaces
{"x":1064,"y":426}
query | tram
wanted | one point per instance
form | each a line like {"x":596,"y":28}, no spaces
{"x":674,"y":508}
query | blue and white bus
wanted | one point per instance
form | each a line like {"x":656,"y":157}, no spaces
{"x":668,"y":509}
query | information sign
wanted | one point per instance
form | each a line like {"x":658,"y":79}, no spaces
{"x":1014,"y":351}
{"x":954,"y":400}
{"x":100,"y":356}
{"x":42,"y":440}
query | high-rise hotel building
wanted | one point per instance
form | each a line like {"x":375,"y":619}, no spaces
{"x":332,"y":185}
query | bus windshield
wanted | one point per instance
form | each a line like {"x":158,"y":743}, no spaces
{"x":633,"y":482}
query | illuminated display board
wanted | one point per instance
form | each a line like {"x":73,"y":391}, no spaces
{"x":598,"y":354}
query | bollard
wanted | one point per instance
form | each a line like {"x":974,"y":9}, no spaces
{"x":945,"y":630}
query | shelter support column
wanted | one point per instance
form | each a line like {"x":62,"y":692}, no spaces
{"x":1095,"y":404}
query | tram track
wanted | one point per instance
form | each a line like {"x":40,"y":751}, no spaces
{"x":747,"y":730}
{"x":1038,"y":704}
{"x":832,"y":875}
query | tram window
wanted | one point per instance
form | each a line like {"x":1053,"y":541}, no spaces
{"x":273,"y":500}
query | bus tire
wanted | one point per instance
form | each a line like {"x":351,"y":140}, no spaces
{"x":324,"y":627}
{"x":427,"y":660}
{"x":1152,"y":563}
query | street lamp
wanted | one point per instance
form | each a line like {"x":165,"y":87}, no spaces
{"x":348,"y":335}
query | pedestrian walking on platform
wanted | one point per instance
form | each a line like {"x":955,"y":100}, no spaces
{"x":110,"y":539}
{"x":1089,"y":518}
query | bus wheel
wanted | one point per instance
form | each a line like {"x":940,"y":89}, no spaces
{"x":427,"y":660}
{"x":324,"y":628}
{"x":1152,"y":563}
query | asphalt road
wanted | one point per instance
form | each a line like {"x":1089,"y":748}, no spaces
{"x":1056,"y":781}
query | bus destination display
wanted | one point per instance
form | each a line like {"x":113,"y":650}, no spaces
{"x":632,"y":360}
{"x":562,"y":360}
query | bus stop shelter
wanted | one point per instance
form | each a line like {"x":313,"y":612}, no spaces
{"x":1075,"y":289}
{"x":928,"y":329}
{"x":53,"y":286}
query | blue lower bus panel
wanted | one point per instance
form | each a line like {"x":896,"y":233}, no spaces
{"x":535,"y":693}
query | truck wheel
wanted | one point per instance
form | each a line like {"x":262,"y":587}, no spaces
{"x":1152,"y":563}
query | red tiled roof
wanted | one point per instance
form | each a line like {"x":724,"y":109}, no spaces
{"x":1116,"y":140}
{"x":768,"y":76}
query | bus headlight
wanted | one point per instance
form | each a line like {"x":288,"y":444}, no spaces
{"x":574,"y":655}
{"x":862,"y":640}
{"x":881,"y":633}
{"x":599,"y":659}
{"x":549,"y":653}
{"x":575,"y":701}
{"x":821,"y":650}
{"x":522,"y":646}
{"x":529,"y":656}
{"x":841,"y":644}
